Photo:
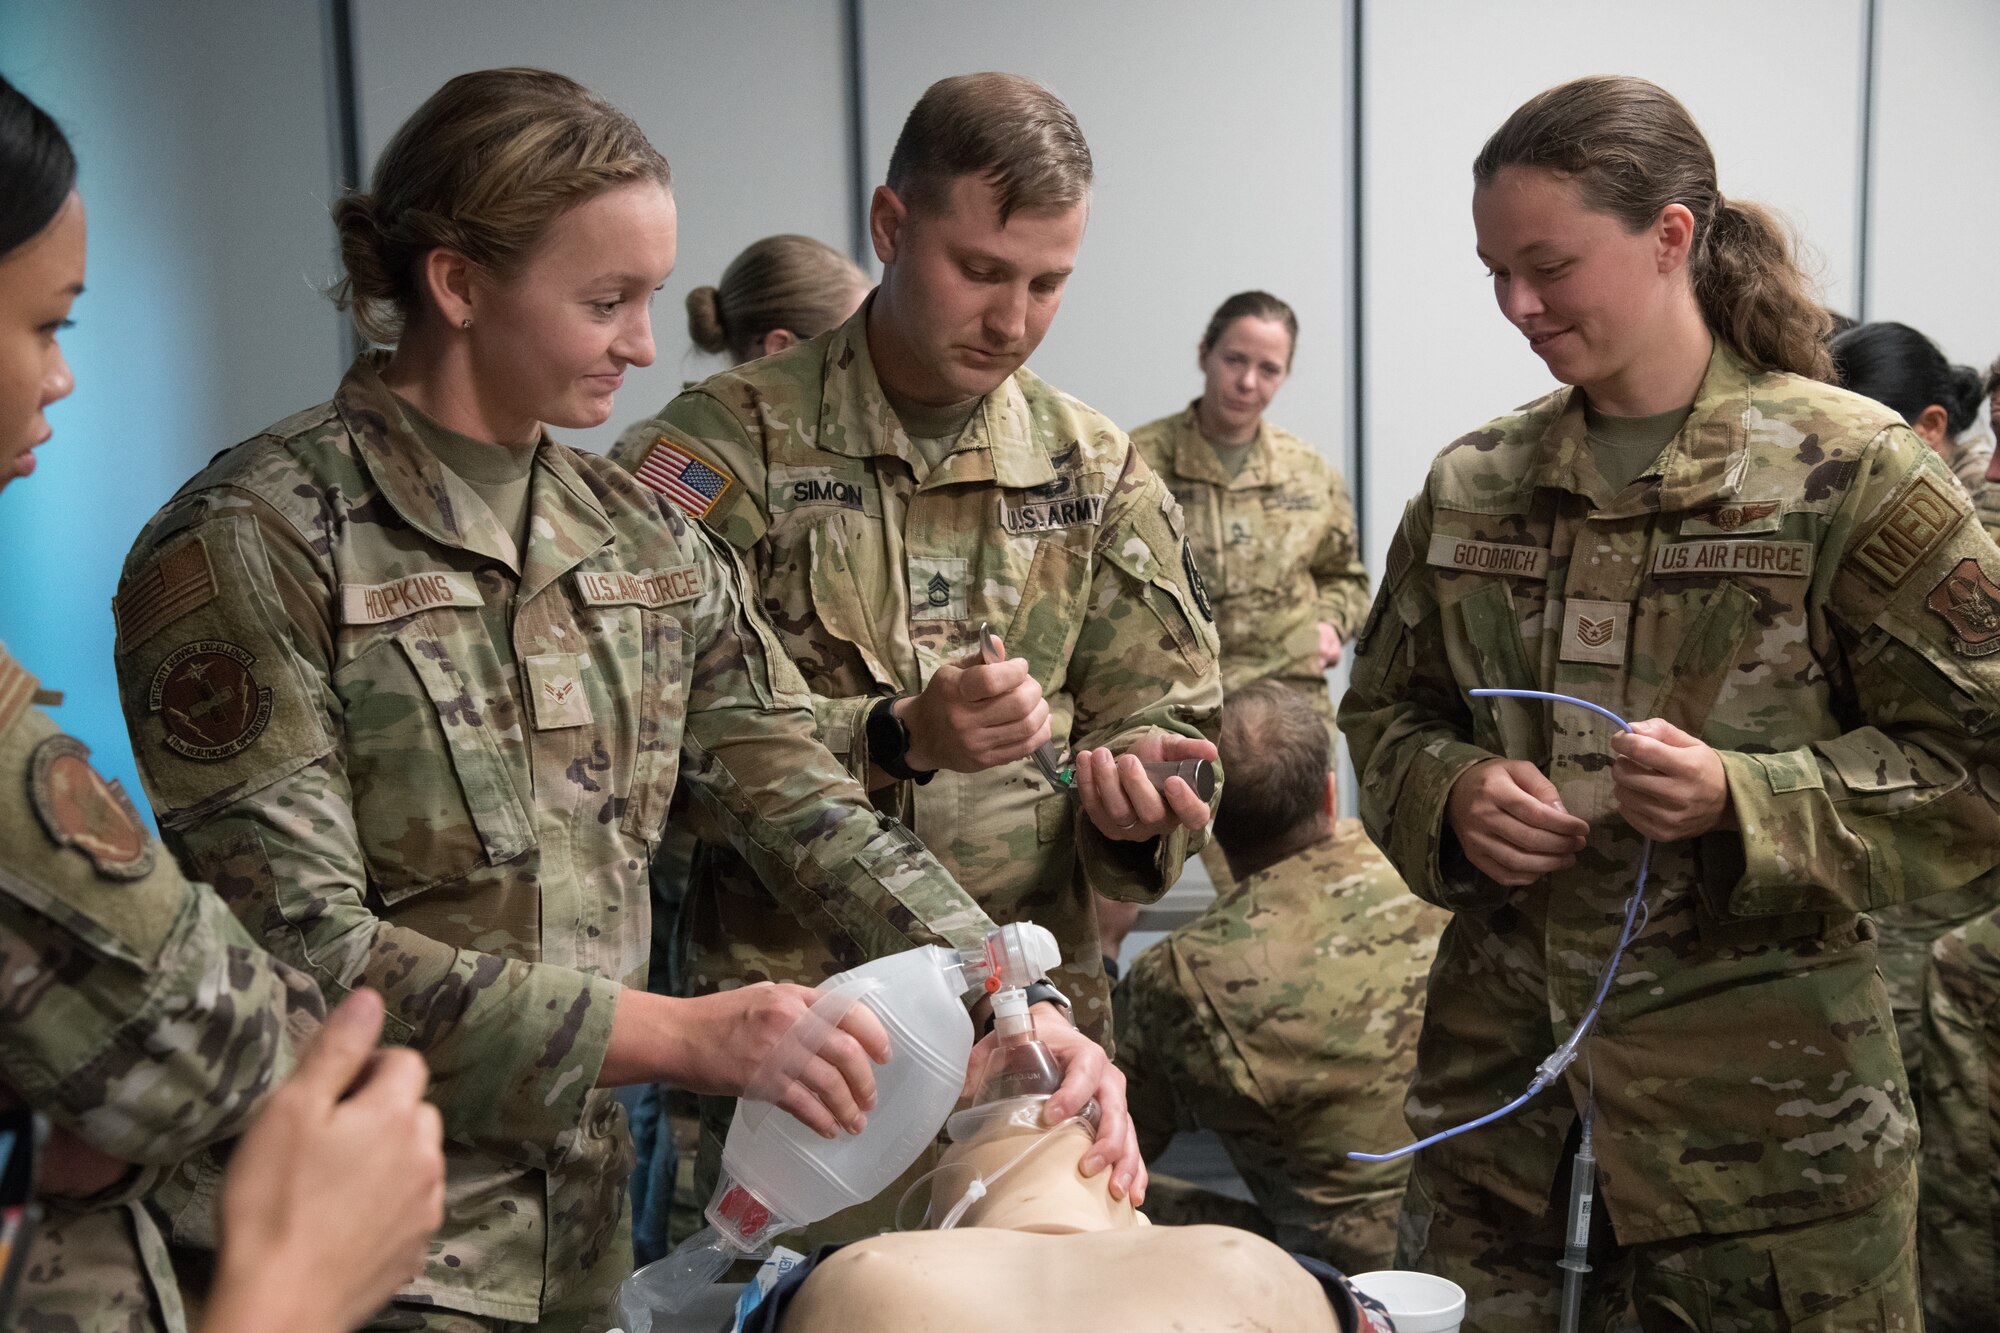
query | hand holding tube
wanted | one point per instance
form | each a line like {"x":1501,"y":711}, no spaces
{"x":1669,"y":784}
{"x":1511,"y":823}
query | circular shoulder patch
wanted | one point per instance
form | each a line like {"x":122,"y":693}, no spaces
{"x":80,"y":809}
{"x":209,"y":701}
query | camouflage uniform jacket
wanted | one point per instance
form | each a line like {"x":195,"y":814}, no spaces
{"x":140,"y":1016}
{"x":1042,"y":521}
{"x":1275,"y":546}
{"x":1284,"y":1019}
{"x":1795,"y":581}
{"x":433,"y":773}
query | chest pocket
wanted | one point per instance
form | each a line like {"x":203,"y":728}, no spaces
{"x":1708,"y":653}
{"x":1490,"y":629}
{"x":662,"y":715}
{"x":433,"y":798}
{"x":847,"y":606}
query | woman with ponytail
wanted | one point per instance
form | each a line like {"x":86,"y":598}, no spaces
{"x":779,"y":291}
{"x":1783,"y":590}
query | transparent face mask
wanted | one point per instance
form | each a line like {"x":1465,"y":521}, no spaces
{"x":1017,"y":1116}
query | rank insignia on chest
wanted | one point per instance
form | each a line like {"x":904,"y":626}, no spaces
{"x":79,"y":809}
{"x":937,"y":588}
{"x":209,"y":701}
{"x":557,"y":691}
{"x":1595,"y":631}
{"x":1970,"y":604}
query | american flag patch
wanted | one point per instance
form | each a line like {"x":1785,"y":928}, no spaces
{"x":677,"y":474}
{"x":176,"y":584}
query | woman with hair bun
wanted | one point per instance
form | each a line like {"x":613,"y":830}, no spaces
{"x":1785,"y":588}
{"x":779,"y":291}
{"x":416,"y":684}
{"x":1944,"y":404}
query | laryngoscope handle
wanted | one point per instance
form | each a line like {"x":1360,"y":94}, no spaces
{"x":1199,"y":774}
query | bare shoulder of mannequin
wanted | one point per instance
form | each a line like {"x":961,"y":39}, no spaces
{"x":1048,"y":1249}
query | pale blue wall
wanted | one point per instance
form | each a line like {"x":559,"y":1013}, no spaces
{"x":201,"y":133}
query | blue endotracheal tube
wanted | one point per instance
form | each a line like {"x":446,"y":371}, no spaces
{"x":1636,"y":916}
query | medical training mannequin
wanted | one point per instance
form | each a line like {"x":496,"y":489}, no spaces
{"x":1048,"y":1248}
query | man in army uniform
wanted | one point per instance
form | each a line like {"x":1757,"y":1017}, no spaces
{"x":1285,"y":1018}
{"x":902,"y":480}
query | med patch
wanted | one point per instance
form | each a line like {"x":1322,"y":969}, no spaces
{"x":1912,"y":526}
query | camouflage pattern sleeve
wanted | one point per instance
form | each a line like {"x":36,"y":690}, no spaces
{"x":514,"y":1046}
{"x":1142,"y":1003}
{"x":1144,"y":663}
{"x":751,"y":756}
{"x":1336,"y":566}
{"x":1406,"y":725}
{"x":1988,"y":509}
{"x":1906,"y":803}
{"x":139,"y":1013}
{"x":702,"y":424}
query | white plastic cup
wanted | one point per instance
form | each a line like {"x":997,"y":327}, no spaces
{"x":1418,"y":1302}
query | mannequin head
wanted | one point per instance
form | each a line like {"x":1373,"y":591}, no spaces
{"x":1042,"y":1191}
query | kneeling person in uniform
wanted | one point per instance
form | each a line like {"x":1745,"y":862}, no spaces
{"x":1285,"y":1018}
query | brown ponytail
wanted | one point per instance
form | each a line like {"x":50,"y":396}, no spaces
{"x":1632,"y":149}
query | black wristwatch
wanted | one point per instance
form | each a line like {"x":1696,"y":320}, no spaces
{"x":889,"y":744}
{"x":1041,"y":992}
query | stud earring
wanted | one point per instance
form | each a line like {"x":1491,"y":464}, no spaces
{"x":465,"y":323}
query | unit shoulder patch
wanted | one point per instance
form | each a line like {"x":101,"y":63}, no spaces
{"x":1970,"y":603}
{"x":1912,"y":526}
{"x":79,"y":809}
{"x":209,"y":700}
{"x":695,"y":485}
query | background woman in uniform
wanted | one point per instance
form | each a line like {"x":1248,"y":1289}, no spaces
{"x":139,"y":1017}
{"x":779,"y":291}
{"x":1784,"y":583}
{"x":1269,"y":520}
{"x":418,"y":682}
{"x":1901,"y":368}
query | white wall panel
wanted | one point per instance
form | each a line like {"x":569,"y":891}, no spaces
{"x":1218,"y":136}
{"x":746,"y":99}
{"x":1775,"y":85}
{"x":1934,"y":257}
